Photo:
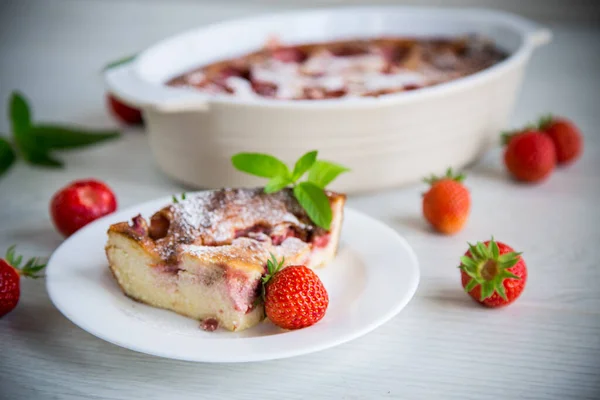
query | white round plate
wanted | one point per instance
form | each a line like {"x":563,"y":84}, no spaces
{"x":373,"y":277}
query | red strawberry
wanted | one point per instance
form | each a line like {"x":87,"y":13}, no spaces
{"x":124,"y":113}
{"x":566,"y":137}
{"x":530,"y":155}
{"x":493,"y":274}
{"x":10,"y":278}
{"x":294,"y":296}
{"x":80,"y":203}
{"x":447,"y":204}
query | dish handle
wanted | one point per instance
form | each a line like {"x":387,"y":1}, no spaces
{"x":125,"y":84}
{"x":537,"y":35}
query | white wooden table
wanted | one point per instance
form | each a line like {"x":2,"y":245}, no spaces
{"x":546,"y":345}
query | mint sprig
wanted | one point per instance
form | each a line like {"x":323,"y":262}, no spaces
{"x":35,"y":142}
{"x":310,"y":193}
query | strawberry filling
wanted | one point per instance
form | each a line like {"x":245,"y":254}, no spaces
{"x":209,"y":324}
{"x":241,"y":290}
{"x":321,"y":241}
{"x":276,"y":237}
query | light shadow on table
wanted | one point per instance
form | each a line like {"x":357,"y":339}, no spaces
{"x":489,"y":171}
{"x":38,"y":237}
{"x":451,"y":297}
{"x":412,"y":222}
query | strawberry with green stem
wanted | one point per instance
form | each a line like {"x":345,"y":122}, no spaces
{"x":294,"y":296}
{"x":493,"y":273}
{"x":567,"y":138}
{"x":11,"y":272}
{"x":447,"y":203}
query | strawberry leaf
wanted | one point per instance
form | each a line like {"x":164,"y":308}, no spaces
{"x":31,"y":267}
{"x":258,"y":164}
{"x":303,"y":164}
{"x":545,"y":121}
{"x":487,"y":289}
{"x":486,"y":267}
{"x":471,"y":285}
{"x":468,"y":262}
{"x":315,"y":202}
{"x":449,"y":175}
{"x":323,"y":173}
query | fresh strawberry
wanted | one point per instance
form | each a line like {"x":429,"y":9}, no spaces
{"x":294,"y":296}
{"x":447,"y":204}
{"x":10,"y":278}
{"x":492,"y":273}
{"x":80,"y":203}
{"x":124,"y":113}
{"x":530,"y":155}
{"x":567,"y":139}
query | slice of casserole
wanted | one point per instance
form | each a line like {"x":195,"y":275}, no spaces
{"x":204,"y":257}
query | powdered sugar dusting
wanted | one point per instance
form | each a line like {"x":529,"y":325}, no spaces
{"x":215,"y":216}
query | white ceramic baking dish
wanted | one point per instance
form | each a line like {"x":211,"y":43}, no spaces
{"x":386,"y":141}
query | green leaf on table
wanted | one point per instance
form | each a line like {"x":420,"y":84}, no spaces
{"x":58,"y":137}
{"x":42,"y":159}
{"x":259,"y":164}
{"x":315,"y":202}
{"x":19,"y":113}
{"x":322,"y":173}
{"x":276,"y":184}
{"x":303,"y":164}
{"x":120,"y":61}
{"x":7,"y":155}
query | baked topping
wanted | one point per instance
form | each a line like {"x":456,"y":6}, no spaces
{"x":208,"y":221}
{"x":344,"y":69}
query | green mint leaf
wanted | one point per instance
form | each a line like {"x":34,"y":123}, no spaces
{"x":276,"y":184}
{"x":303,"y":164}
{"x":19,"y":113}
{"x":120,"y":61}
{"x":323,"y":173}
{"x":315,"y":202}
{"x":42,"y":159}
{"x":58,"y":137}
{"x":259,"y":164}
{"x":20,"y":119}
{"x":7,"y":155}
